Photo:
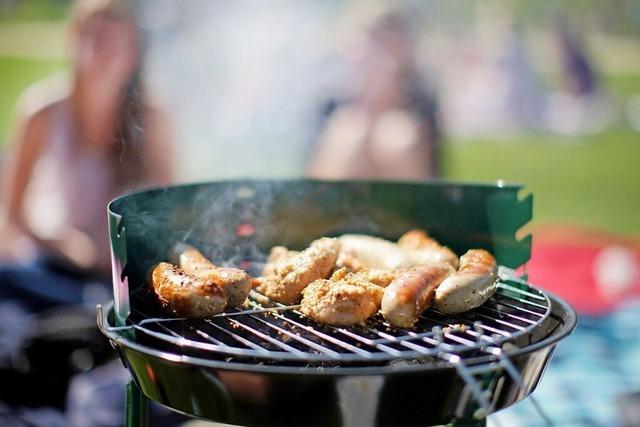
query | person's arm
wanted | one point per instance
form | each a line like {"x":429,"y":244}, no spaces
{"x":21,"y":157}
{"x":32,"y":127}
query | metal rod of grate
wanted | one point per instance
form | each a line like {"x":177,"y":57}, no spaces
{"x":279,"y":333}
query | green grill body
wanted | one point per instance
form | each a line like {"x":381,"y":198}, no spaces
{"x":242,"y":219}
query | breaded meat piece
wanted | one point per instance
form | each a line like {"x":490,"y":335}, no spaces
{"x":289,"y":276}
{"x":342,"y":302}
{"x":377,"y":276}
{"x":186,"y":295}
{"x":277,"y":255}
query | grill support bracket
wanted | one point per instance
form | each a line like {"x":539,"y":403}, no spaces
{"x":136,"y":406}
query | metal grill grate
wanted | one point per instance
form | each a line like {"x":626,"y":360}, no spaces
{"x":271,"y":331}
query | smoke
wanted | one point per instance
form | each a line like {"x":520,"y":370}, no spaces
{"x":237,"y":222}
{"x":227,"y":218}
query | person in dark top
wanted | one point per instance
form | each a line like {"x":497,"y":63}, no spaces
{"x":580,"y":75}
{"x":389,"y":127}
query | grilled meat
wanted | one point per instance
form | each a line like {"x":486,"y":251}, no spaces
{"x":470,"y":286}
{"x":345,"y":299}
{"x":409,"y":295}
{"x":414,"y":248}
{"x":372,"y":252}
{"x":187,"y":295}
{"x":423,"y":248}
{"x":348,"y":259}
{"x":378,"y":276}
{"x":289,"y":276}
{"x":277,"y":255}
{"x":236,"y":283}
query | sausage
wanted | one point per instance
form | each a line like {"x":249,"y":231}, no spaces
{"x":470,"y":286}
{"x":193,"y":262}
{"x":423,"y":248}
{"x":409,"y":295}
{"x":373,"y":252}
{"x":236,"y":283}
{"x":186,"y":295}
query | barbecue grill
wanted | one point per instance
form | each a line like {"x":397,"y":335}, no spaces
{"x":266,"y":364}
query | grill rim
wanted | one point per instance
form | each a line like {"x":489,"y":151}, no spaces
{"x":567,"y":313}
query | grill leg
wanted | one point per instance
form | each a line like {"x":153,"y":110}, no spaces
{"x":136,"y":407}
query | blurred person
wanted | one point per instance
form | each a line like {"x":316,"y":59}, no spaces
{"x":476,"y":91}
{"x":579,"y":73}
{"x":389,"y":128}
{"x":524,"y":96}
{"x":491,"y":84}
{"x":581,"y":106}
{"x":74,"y":150}
{"x":76,"y":147}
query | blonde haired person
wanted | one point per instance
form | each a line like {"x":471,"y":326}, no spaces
{"x":76,"y":146}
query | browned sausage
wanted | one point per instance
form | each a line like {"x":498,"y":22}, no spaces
{"x":186,"y":295}
{"x":423,"y":248}
{"x":193,"y":262}
{"x":470,"y":286}
{"x":236,"y":283}
{"x":372,"y":252}
{"x":411,"y":293}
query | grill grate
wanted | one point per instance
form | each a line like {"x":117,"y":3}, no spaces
{"x":274,"y":332}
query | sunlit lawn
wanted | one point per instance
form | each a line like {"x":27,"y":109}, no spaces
{"x":15,"y":75}
{"x":593,"y":180}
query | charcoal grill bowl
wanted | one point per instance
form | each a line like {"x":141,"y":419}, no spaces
{"x":399,"y":395}
{"x":237,"y":219}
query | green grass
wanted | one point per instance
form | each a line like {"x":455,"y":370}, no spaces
{"x":590,"y":180}
{"x":15,"y":75}
{"x":622,"y":86}
{"x":35,"y":10}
